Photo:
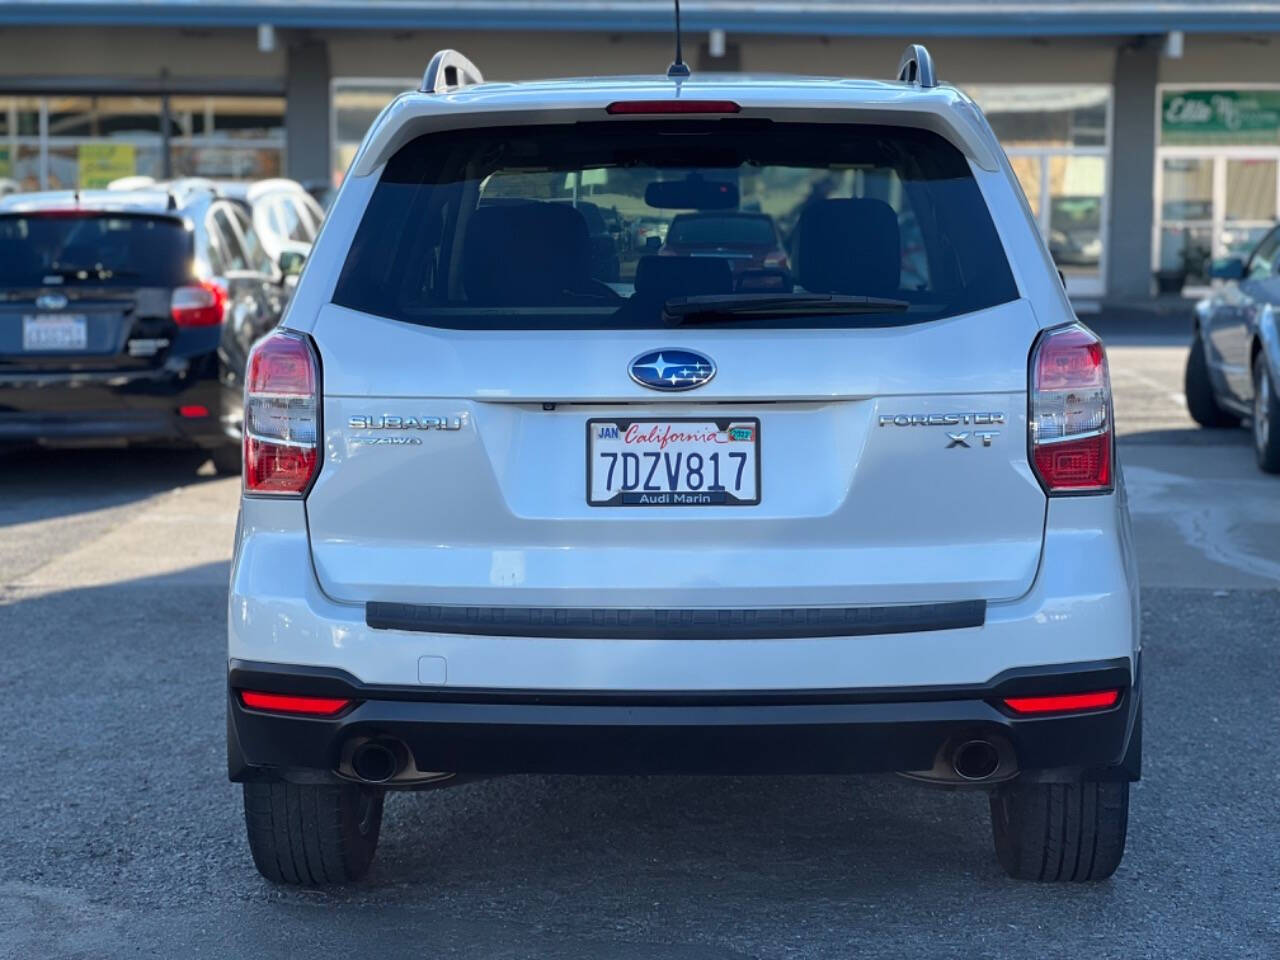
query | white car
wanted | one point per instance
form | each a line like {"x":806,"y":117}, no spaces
{"x":500,"y":516}
{"x":285,"y":216}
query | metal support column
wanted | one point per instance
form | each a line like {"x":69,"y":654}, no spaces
{"x":1133,"y":159}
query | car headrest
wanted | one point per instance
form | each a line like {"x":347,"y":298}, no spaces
{"x":661,"y":278}
{"x":850,"y":247}
{"x":525,"y":254}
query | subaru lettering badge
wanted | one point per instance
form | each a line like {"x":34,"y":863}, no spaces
{"x":672,"y":369}
{"x":50,"y":301}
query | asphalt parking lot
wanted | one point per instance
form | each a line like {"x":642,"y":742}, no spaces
{"x":122,"y":838}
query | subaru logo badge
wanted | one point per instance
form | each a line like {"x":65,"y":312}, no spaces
{"x":672,"y":369}
{"x":50,"y":301}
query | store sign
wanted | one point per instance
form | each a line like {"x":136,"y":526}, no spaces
{"x":1220,"y":117}
{"x":100,"y":163}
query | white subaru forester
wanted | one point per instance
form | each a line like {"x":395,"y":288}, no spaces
{"x":821,"y":479}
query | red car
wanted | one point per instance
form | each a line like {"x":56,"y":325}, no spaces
{"x":749,"y":241}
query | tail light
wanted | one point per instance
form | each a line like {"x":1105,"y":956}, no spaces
{"x":201,"y":305}
{"x":281,"y":410}
{"x":1070,"y":424}
{"x":290,"y":703}
{"x":1064,"y":702}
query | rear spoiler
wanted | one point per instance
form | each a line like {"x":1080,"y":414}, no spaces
{"x":940,"y":109}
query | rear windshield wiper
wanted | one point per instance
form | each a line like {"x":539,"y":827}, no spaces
{"x":718,"y":307}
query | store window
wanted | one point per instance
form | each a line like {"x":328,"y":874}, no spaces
{"x":94,"y":140}
{"x":234,"y":138}
{"x":1057,"y":139}
{"x":60,"y":142}
{"x":1217,"y":178}
{"x":19,"y":144}
{"x":356,"y":104}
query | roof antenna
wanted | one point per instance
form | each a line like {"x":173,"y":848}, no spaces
{"x":679,"y":70}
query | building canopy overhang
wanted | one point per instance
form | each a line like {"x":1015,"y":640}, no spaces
{"x":1020,"y":18}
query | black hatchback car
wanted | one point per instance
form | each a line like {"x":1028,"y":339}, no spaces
{"x":129,"y":317}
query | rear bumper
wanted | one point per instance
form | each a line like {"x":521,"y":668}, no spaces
{"x":125,"y":405}
{"x":864,"y":731}
{"x":1082,"y":608}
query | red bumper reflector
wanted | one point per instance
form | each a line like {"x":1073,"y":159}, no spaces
{"x":1064,"y":703}
{"x":193,"y":411}
{"x":672,"y":106}
{"x":288,"y":703}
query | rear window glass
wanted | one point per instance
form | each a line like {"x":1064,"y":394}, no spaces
{"x":710,"y":230}
{"x":496,"y":228}
{"x":97,"y":249}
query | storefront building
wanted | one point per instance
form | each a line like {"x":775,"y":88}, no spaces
{"x":1217,"y":177}
{"x":1146,"y":136}
{"x":54,"y":142}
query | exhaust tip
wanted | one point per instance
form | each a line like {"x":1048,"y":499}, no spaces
{"x":376,"y":761}
{"x":975,"y":760}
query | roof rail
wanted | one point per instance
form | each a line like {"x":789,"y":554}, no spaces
{"x":916,"y":66}
{"x":449,"y":70}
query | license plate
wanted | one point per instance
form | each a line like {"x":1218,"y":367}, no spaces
{"x":55,"y":332}
{"x":673,"y":463}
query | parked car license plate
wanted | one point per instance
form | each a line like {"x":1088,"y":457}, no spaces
{"x":673,"y":463}
{"x":56,"y":331}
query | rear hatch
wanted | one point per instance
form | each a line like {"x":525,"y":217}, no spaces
{"x":862,"y":443}
{"x":88,"y":290}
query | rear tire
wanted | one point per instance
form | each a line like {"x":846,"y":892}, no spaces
{"x":1266,"y":417}
{"x":1202,"y":403}
{"x":312,"y":834}
{"x":227,"y":459}
{"x":1053,"y":832}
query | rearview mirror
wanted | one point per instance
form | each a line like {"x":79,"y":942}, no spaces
{"x":692,"y":193}
{"x":1228,"y":268}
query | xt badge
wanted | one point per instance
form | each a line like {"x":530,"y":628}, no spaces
{"x":962,"y":439}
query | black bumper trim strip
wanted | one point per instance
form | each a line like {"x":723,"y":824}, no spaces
{"x":1019,"y":681}
{"x":502,"y":735}
{"x":582,"y":623}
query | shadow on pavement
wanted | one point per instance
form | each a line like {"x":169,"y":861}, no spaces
{"x":40,"y":484}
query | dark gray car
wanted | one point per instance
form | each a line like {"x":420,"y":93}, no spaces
{"x":1234,"y":365}
{"x":130,"y":316}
